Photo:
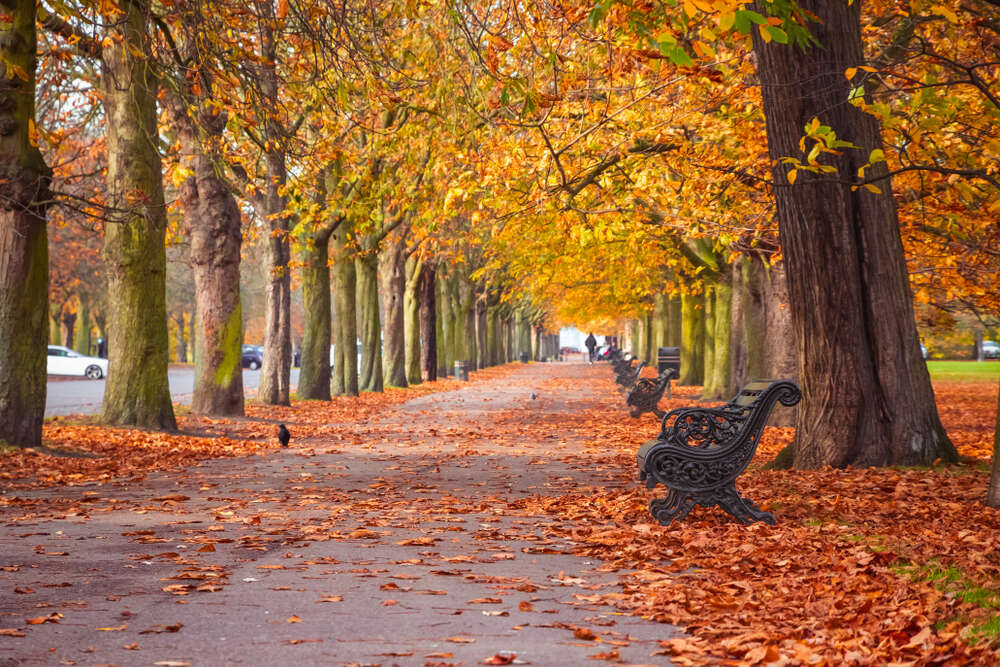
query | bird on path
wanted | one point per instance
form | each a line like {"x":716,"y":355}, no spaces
{"x":283,"y":435}
{"x":533,"y":397}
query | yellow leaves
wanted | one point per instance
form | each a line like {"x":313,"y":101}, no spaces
{"x":945,"y":12}
{"x":851,"y":71}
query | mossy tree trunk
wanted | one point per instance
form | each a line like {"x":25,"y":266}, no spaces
{"x":345,"y":366}
{"x":24,"y":267}
{"x":429,"y":325}
{"x":137,"y":392}
{"x":692,"y":339}
{"x":993,"y":494}
{"x":314,"y":374}
{"x":411,"y":319}
{"x":369,"y":325}
{"x":720,"y":384}
{"x":179,"y":321}
{"x":708,"y":339}
{"x":213,"y":222}
{"x":867,"y":396}
{"x":69,"y":327}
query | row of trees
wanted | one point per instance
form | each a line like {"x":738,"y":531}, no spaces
{"x":463,"y":171}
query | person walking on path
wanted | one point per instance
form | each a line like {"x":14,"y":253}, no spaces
{"x":591,"y":344}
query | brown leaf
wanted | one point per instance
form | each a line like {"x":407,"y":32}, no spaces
{"x":293,"y":619}
{"x":11,"y":632}
{"x":584,"y":633}
{"x":500,"y":659}
{"x":38,"y":620}
{"x":294,"y":642}
{"x":460,"y":640}
{"x":331,"y":598}
{"x":524,"y":605}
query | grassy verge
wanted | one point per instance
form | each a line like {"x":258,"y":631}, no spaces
{"x":964,"y":371}
{"x":954,"y":581}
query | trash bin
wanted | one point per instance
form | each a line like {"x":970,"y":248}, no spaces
{"x":668,"y":357}
{"x":524,"y":357}
{"x":462,"y":370}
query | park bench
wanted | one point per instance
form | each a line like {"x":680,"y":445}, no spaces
{"x":645,"y":395}
{"x":700,"y":452}
{"x":629,"y":375}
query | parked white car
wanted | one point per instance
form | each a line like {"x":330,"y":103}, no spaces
{"x":64,"y":361}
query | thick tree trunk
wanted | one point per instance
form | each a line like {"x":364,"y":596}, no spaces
{"x":482,"y":346}
{"x":867,"y":397}
{"x":137,"y":392}
{"x":24,"y":263}
{"x":693,"y":340}
{"x":212,"y":219}
{"x":368,"y":320}
{"x":345,"y":367}
{"x":314,"y":373}
{"x":392,"y":287}
{"x":428,"y":323}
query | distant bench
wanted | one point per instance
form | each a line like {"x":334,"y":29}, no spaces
{"x":701,"y":453}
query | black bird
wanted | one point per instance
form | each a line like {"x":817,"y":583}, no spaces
{"x":283,"y":435}
{"x":533,"y":397}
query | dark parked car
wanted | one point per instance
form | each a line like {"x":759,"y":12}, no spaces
{"x":253,"y":357}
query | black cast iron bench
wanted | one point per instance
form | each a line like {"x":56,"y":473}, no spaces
{"x":701,"y":451}
{"x":629,"y":375}
{"x":646,"y":394}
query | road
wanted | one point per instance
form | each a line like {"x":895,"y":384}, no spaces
{"x":84,"y":397}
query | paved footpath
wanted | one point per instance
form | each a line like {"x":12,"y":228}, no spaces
{"x":390,"y":544}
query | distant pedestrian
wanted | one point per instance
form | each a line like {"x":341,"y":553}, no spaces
{"x":591,"y":344}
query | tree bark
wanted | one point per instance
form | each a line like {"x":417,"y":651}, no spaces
{"x":314,"y":373}
{"x":867,"y":397}
{"x":392,"y":288}
{"x":24,"y":263}
{"x":445,"y":324}
{"x":721,"y":383}
{"x":181,"y":339}
{"x":693,"y":340}
{"x":428,"y":323}
{"x":275,"y":373}
{"x":137,"y":392}
{"x":411,"y":319}
{"x":708,"y":342}
{"x":83,"y":330}
{"x":368,"y":320}
{"x":345,"y":367}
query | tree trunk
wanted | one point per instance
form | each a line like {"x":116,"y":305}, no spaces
{"x":181,"y":339}
{"x":867,"y":397}
{"x":69,"y":327}
{"x":213,"y":222}
{"x":24,"y":258}
{"x":275,"y":373}
{"x":708,"y":342}
{"x":722,"y":368}
{"x":411,"y":320}
{"x":368,"y":320}
{"x":137,"y":392}
{"x":446,"y":325}
{"x":693,"y":340}
{"x":314,"y":372}
{"x":83,"y":331}
{"x":428,"y":323}
{"x":345,"y":367}
{"x":392,"y":288}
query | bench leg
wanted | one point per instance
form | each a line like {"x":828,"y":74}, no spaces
{"x":742,"y":508}
{"x":674,"y":506}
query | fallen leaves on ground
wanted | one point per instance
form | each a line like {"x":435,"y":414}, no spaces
{"x":845,"y":576}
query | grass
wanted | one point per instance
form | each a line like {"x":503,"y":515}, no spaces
{"x":952,"y":580}
{"x":965,"y":371}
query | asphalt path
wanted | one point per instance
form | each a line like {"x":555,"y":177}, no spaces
{"x":73,"y":396}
